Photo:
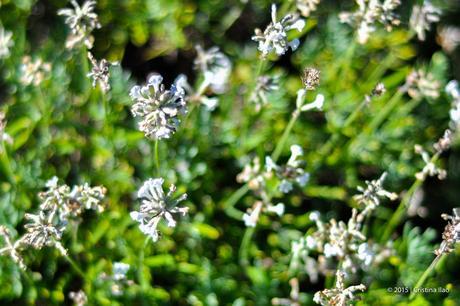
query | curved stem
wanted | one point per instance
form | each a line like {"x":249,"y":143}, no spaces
{"x":280,"y":146}
{"x":74,"y":265}
{"x":425,"y":274}
{"x":245,"y":243}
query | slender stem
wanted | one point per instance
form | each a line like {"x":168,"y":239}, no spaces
{"x":425,"y":274}
{"x":75,"y":266}
{"x":6,"y":164}
{"x":385,"y":112}
{"x":157,"y":159}
{"x":140,"y":274}
{"x":236,"y":196}
{"x":280,"y":146}
{"x":401,"y":210}
{"x":245,"y":243}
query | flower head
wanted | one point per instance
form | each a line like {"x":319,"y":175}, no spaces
{"x":10,"y":248}
{"x":420,"y":83}
{"x":265,"y":84}
{"x":3,"y":135}
{"x":311,"y":78}
{"x":6,"y":42}
{"x":44,"y":230}
{"x":82,"y":20}
{"x":370,"y":196}
{"x":34,"y":72}
{"x":100,"y":72}
{"x":369,"y":14}
{"x":340,"y":295}
{"x":215,"y":66}
{"x":274,"y":37}
{"x":307,"y":6}
{"x":79,"y":298}
{"x":158,"y":108}
{"x":422,"y":17}
{"x":291,"y":172}
{"x":451,"y":234}
{"x":156,"y":205}
{"x":430,"y":168}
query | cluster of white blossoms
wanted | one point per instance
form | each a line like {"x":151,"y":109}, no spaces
{"x":275,"y":36}
{"x":6,"y":42}
{"x":4,"y":136}
{"x":294,"y":296}
{"x":290,"y":173}
{"x":215,"y":66}
{"x":339,"y":295}
{"x":158,"y":108}
{"x":451,"y":234}
{"x":45,"y":228}
{"x":369,"y":197}
{"x":251,"y":216}
{"x":118,"y":279}
{"x":449,"y":38}
{"x":34,"y":71}
{"x":265,"y":85}
{"x":369,"y":13}
{"x":100,"y":72}
{"x":422,"y":17}
{"x":430,"y":168}
{"x":79,"y":298}
{"x":306,"y":7}
{"x":420,"y":84}
{"x":156,"y":205}
{"x":453,"y":90}
{"x":82,"y":20}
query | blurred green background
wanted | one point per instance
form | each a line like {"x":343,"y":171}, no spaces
{"x":65,"y":128}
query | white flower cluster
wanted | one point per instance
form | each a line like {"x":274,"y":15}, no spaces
{"x":34,"y":72}
{"x":430,"y":169}
{"x":158,"y":108}
{"x":100,"y":72}
{"x":6,"y":42}
{"x":265,"y":85}
{"x":275,"y":36}
{"x":251,"y":216}
{"x":451,"y":234}
{"x":341,"y":241}
{"x":215,"y":66}
{"x":82,"y":20}
{"x":449,"y":38}
{"x":422,"y":17}
{"x":118,"y":279}
{"x":420,"y":84}
{"x":339,"y":295}
{"x":79,"y":298}
{"x":45,"y":228}
{"x":453,"y":90}
{"x":4,"y":136}
{"x":71,"y":202}
{"x":369,"y":13}
{"x":156,"y":205}
{"x":290,"y":173}
{"x":307,"y":6}
{"x":370,"y":196}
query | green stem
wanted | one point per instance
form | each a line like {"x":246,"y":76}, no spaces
{"x":401,"y":210}
{"x":280,"y":146}
{"x":425,"y":274}
{"x":6,"y":164}
{"x":140,"y":272}
{"x":245,"y":243}
{"x":74,"y":265}
{"x":236,"y":196}
{"x":383,"y":114}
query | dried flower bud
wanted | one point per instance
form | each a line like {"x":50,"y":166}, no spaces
{"x":311,"y":78}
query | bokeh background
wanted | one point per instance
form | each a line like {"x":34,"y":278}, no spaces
{"x":65,"y":128}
